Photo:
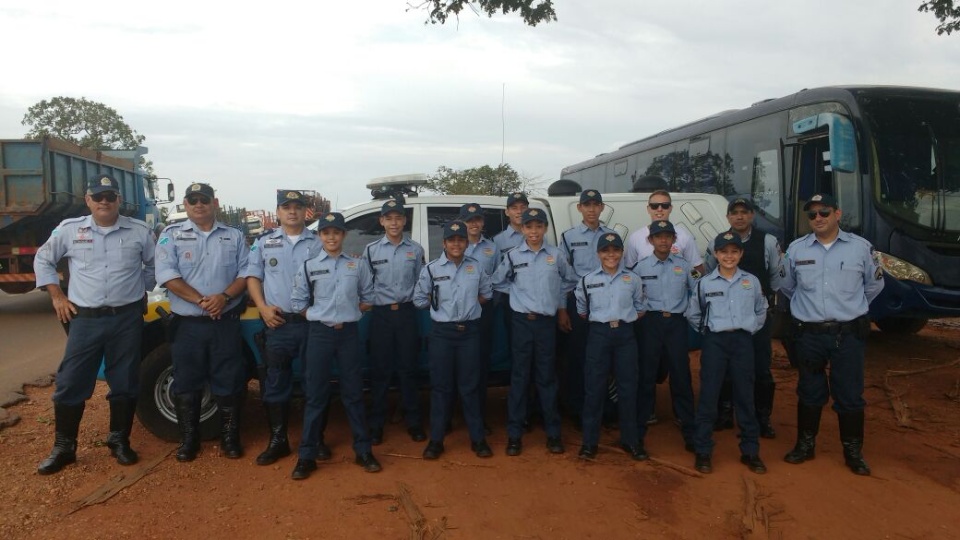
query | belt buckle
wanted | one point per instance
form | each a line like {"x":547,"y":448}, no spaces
{"x":338,"y":326}
{"x":614,"y":324}
{"x":531,"y":316}
{"x":666,"y":314}
{"x":461,"y":327}
{"x":394,"y":307}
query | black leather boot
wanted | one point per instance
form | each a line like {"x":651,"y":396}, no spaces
{"x":808,"y":425}
{"x":67,"y":422}
{"x":279,"y":445}
{"x":851,"y":437}
{"x":188,"y":420}
{"x":230,"y":409}
{"x":122,"y":411}
{"x":763,"y":400}
{"x":725,"y":407}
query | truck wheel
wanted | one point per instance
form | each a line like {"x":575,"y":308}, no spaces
{"x":155,"y":408}
{"x":900,"y":325}
{"x":15,"y":287}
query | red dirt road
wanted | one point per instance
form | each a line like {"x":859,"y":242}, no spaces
{"x":913,"y":493}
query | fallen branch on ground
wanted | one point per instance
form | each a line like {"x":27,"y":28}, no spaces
{"x":116,"y":484}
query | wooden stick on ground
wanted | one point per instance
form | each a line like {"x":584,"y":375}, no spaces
{"x":119,"y":482}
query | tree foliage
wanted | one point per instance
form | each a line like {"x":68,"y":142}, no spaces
{"x":946,"y":12}
{"x":87,"y":123}
{"x":532,"y":11}
{"x":486,"y":180}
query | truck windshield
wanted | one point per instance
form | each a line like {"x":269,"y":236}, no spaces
{"x":917,"y":145}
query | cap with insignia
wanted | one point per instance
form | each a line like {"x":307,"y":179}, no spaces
{"x":609,"y":239}
{"x":662,"y":226}
{"x":470,"y":211}
{"x":285,"y":196}
{"x":518,"y":197}
{"x":198,"y":188}
{"x":740,"y":201}
{"x":727,"y":239}
{"x":101,"y":183}
{"x":822,"y":198}
{"x":534,"y":214}
{"x":455,"y":228}
{"x":590,"y":195}
{"x":331,"y":219}
{"x":391,"y":206}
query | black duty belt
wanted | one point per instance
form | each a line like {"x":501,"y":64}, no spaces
{"x":535,"y":316}
{"x":293,"y":317}
{"x":664,"y":314}
{"x":829,"y":327}
{"x":611,"y":324}
{"x":459,"y":326}
{"x":107,"y":311}
{"x":394,"y":307}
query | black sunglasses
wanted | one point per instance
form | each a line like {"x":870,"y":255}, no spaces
{"x":656,"y":205}
{"x":823,"y":212}
{"x":193,"y":201}
{"x":108,"y":195}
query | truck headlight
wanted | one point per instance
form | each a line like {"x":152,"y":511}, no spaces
{"x":901,"y":269}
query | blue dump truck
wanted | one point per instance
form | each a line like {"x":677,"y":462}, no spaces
{"x":43,"y":182}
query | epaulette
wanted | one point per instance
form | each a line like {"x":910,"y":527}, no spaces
{"x":799,"y":240}
{"x":265,"y":233}
{"x":135,"y":221}
{"x":170,"y":226}
{"x":73,"y":220}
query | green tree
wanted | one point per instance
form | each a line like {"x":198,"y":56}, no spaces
{"x":485,"y":180}
{"x":946,"y":12}
{"x":532,"y":11}
{"x":87,"y":123}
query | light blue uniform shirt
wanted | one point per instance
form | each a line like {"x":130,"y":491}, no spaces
{"x":274,"y":260}
{"x":579,"y":243}
{"x":613,"y":297}
{"x":395,"y":269}
{"x":112,"y":268}
{"x":340,"y":284}
{"x":772,"y":258}
{"x":508,"y":239}
{"x":456,"y":289}
{"x":485,"y":252}
{"x":207,"y":262}
{"x":734,"y":304}
{"x":537,"y":281}
{"x":666,"y":283}
{"x":835,"y":284}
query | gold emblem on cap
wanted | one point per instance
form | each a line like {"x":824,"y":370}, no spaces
{"x":391,"y":204}
{"x":534,"y":213}
{"x":517,"y":194}
{"x":195,"y":187}
{"x":455,"y":227}
{"x":471,"y":209}
{"x":817,"y":197}
{"x":611,"y":238}
{"x":105,"y":181}
{"x":292,"y":195}
{"x":591,"y":193}
{"x":662,"y":224}
{"x":330,"y":217}
{"x":728,"y":236}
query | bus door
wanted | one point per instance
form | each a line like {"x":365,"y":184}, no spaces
{"x":813,"y":174}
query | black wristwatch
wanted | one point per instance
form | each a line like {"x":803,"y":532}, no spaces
{"x":227,"y":296}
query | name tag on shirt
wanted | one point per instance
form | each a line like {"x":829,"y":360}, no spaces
{"x":319,"y":272}
{"x":712,"y":294}
{"x":187,"y":236}
{"x":442,"y":278}
{"x":521,"y":265}
{"x":579,"y":244}
{"x":648,"y":277}
{"x":806,"y":262}
{"x":595,"y":285}
{"x":381,"y":261}
{"x":273,"y":243}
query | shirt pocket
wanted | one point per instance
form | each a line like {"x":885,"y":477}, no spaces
{"x":83,"y":255}
{"x":228,"y":255}
{"x":808,"y":276}
{"x":850,"y":279}
{"x":130,"y":256}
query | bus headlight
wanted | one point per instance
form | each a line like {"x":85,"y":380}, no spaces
{"x":901,"y":269}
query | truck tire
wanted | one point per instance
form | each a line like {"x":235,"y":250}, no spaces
{"x":17,"y":287}
{"x":900,"y":325}
{"x":155,"y":407}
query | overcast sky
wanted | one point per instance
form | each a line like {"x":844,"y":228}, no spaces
{"x":326,"y":95}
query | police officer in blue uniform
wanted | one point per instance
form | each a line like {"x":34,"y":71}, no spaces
{"x":728,"y":307}
{"x":395,"y":262}
{"x":830,"y":276}
{"x":199,"y":262}
{"x":454,"y":286}
{"x":484,"y":250}
{"x":762,"y":258}
{"x":610,"y":298}
{"x":579,"y":244}
{"x":332,"y":290}
{"x":537,"y":278}
{"x":272,"y":264}
{"x":111,"y":261}
{"x":667,"y":280}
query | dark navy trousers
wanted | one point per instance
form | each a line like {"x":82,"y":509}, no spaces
{"x":394,"y":347}
{"x":113,"y":339}
{"x":326,"y":347}
{"x":455,"y":369}
{"x":534,"y":349}
{"x":844,"y":355}
{"x":575,"y":352}
{"x":610,"y":348}
{"x":666,"y":336}
{"x":207,"y":350}
{"x":724,"y":353}
{"x":284,"y":343}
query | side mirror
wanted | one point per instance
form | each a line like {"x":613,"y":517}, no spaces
{"x":843,"y":148}
{"x":170,"y":192}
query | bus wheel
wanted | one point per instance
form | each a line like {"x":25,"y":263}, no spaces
{"x":900,"y":325}
{"x":155,"y":407}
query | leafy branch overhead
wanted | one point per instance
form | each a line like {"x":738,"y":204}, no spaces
{"x":533,"y":12}
{"x":946,"y":12}
{"x":485,"y":180}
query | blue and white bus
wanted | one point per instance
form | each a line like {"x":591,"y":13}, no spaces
{"x":890,"y":155}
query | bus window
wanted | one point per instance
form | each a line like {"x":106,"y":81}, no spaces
{"x":659,"y":162}
{"x":752,"y":150}
{"x":766,"y":186}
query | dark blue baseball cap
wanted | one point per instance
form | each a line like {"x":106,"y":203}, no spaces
{"x":331,"y":219}
{"x":590,"y":195}
{"x":391,"y":206}
{"x":455,"y":228}
{"x":823,"y":198}
{"x":517,"y":197}
{"x":101,"y":183}
{"x":725,"y":239}
{"x":285,"y":196}
{"x":470,"y":211}
{"x":534,"y":214}
{"x":199,"y":188}
{"x":662,"y":226}
{"x":609,"y":239}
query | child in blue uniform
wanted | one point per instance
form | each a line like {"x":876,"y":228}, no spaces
{"x":728,"y":307}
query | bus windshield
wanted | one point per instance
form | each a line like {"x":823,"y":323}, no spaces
{"x":917,"y":145}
